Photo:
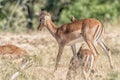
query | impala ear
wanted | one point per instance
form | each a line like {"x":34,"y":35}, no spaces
{"x":43,"y":11}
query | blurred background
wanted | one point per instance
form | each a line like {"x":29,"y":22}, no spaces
{"x":18,"y":26}
{"x":22,"y":15}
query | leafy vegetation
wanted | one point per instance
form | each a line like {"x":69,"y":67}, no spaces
{"x":19,"y":15}
{"x":105,"y":10}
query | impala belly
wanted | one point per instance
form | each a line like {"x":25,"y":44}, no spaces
{"x":73,"y":37}
{"x":75,"y":41}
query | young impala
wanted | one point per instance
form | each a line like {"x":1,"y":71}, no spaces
{"x":86,"y":61}
{"x":89,"y":30}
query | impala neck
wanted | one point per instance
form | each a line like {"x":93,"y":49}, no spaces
{"x":51,"y":27}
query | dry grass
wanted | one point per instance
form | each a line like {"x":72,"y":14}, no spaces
{"x":42,"y":51}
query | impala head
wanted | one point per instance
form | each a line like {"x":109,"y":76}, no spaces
{"x":44,"y":16}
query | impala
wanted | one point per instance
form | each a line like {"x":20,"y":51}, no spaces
{"x":89,"y":30}
{"x":12,"y":50}
{"x":86,"y":61}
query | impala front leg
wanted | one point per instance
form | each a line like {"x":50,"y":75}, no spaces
{"x":61,"y":47}
{"x":74,"y":50}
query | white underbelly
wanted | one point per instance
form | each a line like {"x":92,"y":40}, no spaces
{"x":80,"y":39}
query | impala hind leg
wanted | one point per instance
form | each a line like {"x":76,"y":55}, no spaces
{"x":61,"y":47}
{"x":107,"y":51}
{"x":94,"y":51}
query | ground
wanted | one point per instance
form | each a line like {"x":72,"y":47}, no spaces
{"x":42,"y":51}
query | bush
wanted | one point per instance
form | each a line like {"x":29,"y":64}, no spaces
{"x":106,"y":10}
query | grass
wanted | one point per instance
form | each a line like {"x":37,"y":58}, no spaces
{"x":42,"y":49}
